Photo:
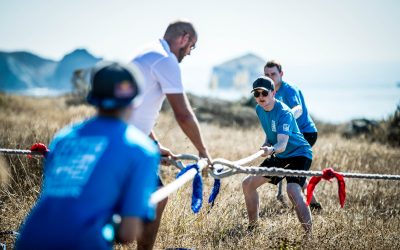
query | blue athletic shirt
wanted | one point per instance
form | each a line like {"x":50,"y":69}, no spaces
{"x":95,"y":169}
{"x":292,"y":96}
{"x":280,"y":120}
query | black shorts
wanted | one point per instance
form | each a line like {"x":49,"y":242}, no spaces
{"x":294,"y":163}
{"x":311,"y":137}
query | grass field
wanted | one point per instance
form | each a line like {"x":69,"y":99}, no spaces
{"x":369,"y":220}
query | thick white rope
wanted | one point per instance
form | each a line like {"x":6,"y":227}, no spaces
{"x":19,"y":151}
{"x":247,"y":159}
{"x":224,"y":168}
{"x":273,"y":171}
{"x":165,"y":191}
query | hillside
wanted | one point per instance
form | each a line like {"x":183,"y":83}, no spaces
{"x":22,"y":71}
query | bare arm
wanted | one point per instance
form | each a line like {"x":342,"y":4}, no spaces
{"x":188,"y":122}
{"x":163,"y":150}
{"x":279,"y":147}
{"x":297,"y":111}
{"x":129,"y":230}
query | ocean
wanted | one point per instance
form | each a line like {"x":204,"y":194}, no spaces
{"x":336,"y":103}
{"x":326,"y":103}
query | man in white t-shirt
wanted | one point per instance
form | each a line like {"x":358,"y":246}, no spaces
{"x":159,"y":64}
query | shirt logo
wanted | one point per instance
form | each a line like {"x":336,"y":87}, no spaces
{"x":72,"y":165}
{"x":273,"y":126}
{"x":286,"y":127}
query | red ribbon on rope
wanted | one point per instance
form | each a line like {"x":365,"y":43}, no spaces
{"x":327,"y":174}
{"x":39,"y":147}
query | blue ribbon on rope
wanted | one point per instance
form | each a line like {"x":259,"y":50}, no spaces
{"x":197,"y":195}
{"x":214,"y":192}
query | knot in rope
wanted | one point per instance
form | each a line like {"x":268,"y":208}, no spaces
{"x":327,"y":174}
{"x":197,"y":195}
{"x":39,"y":147}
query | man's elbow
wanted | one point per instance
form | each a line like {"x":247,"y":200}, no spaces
{"x":184,"y":118}
{"x":280,"y":149}
{"x":297,"y":111}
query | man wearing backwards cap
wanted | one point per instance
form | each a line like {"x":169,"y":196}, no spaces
{"x":95,"y":170}
{"x":287,"y":149}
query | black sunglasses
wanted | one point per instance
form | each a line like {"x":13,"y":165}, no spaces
{"x":263,"y":93}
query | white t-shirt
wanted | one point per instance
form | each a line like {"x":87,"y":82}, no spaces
{"x":162,"y":75}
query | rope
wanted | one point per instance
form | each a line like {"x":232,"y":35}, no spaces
{"x":223,"y":168}
{"x":9,"y":232}
{"x":273,"y":171}
{"x":19,"y":151}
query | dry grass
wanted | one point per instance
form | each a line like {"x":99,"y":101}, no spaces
{"x":369,"y":220}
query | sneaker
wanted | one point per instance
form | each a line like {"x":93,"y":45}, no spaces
{"x":316,"y":206}
{"x":252,"y":227}
{"x":283,"y":201}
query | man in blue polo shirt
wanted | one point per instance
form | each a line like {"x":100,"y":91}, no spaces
{"x":286,"y":147}
{"x":95,"y":170}
{"x":293,"y":98}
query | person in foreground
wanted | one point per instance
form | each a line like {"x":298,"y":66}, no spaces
{"x":286,"y":148}
{"x":293,"y":98}
{"x":95,"y":170}
{"x":159,"y":64}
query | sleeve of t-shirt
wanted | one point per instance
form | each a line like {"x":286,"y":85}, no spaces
{"x":294,"y":97}
{"x":168,"y":74}
{"x":285,"y":123}
{"x":141,"y":183}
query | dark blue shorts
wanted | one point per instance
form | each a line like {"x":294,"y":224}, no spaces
{"x":293,"y":163}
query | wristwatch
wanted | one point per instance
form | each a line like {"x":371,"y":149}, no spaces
{"x":273,"y":151}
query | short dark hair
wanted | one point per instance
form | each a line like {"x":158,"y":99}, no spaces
{"x":273,"y":63}
{"x":179,"y":28}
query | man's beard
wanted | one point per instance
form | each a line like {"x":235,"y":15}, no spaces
{"x":181,"y":54}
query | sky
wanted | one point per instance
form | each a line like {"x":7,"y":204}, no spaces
{"x":303,"y":35}
{"x":307,"y":31}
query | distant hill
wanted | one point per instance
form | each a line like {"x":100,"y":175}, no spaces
{"x":237,"y":73}
{"x":22,"y":71}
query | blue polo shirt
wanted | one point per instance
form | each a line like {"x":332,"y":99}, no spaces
{"x":292,"y":96}
{"x":280,"y":120}
{"x":95,"y":169}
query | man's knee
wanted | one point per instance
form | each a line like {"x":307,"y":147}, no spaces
{"x":251,"y":183}
{"x":247,"y":184}
{"x":161,"y":205}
